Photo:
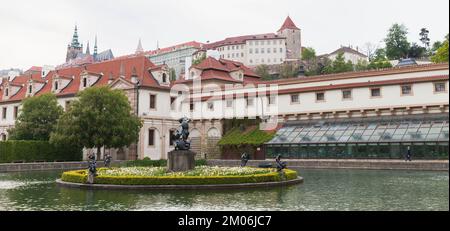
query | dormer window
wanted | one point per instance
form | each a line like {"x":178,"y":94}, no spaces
{"x":30,"y":89}
{"x":164,"y":78}
{"x":56,"y":85}
{"x":192,"y":74}
{"x":7,"y":92}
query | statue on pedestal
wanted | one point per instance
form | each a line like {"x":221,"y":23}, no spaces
{"x":107,"y":160}
{"x":181,"y":135}
{"x":280,"y":165}
{"x":244,"y":159}
{"x":92,"y":169}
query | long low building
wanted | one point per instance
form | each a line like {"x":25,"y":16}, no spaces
{"x":312,"y":115}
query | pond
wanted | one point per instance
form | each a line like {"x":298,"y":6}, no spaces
{"x":343,"y":190}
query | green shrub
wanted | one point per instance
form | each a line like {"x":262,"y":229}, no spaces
{"x":80,"y":176}
{"x":30,"y":151}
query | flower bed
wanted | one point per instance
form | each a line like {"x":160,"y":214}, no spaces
{"x":201,"y":175}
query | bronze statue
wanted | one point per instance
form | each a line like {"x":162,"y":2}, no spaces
{"x":181,"y":135}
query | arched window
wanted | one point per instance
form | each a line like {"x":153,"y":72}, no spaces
{"x":164,"y":77}
{"x":56,"y":85}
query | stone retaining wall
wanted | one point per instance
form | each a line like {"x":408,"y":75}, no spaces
{"x":22,"y":167}
{"x":430,"y":165}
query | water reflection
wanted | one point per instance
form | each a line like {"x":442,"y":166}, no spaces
{"x":322,"y":190}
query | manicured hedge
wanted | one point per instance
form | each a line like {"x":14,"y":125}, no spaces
{"x":253,"y":137}
{"x":30,"y":151}
{"x":80,"y":176}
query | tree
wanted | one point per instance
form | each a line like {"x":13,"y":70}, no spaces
{"x":370,"y":49}
{"x":424,"y":37}
{"x":361,"y":65}
{"x":308,"y":54}
{"x":263,"y":71}
{"x":442,"y":53}
{"x":339,"y":65}
{"x":101,"y":117}
{"x":199,"y":59}
{"x":416,"y":51}
{"x":37,"y":119}
{"x":379,"y":60}
{"x":397,"y":45}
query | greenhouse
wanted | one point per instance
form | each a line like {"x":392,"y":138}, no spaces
{"x":381,"y":137}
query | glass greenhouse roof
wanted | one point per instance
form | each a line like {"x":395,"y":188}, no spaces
{"x":372,"y":132}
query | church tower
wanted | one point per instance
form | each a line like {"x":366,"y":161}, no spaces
{"x":74,"y":48}
{"x":293,"y":37}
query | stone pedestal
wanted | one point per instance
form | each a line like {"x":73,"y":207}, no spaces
{"x":181,"y":160}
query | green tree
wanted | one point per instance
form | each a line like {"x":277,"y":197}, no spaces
{"x":397,"y":45}
{"x":379,"y":60}
{"x":361,"y":65}
{"x":263,"y":71}
{"x":442,"y":53}
{"x":101,"y":117}
{"x":308,"y":54}
{"x":37,"y":119}
{"x":339,"y":65}
{"x":199,"y":59}
{"x":416,"y":51}
{"x":424,"y":37}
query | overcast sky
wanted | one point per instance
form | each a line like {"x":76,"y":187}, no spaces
{"x":37,"y":32}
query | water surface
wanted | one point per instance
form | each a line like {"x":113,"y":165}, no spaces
{"x":322,"y":190}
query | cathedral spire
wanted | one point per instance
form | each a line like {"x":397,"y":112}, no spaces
{"x":88,"y":52}
{"x":139,"y":48}
{"x":95,"y":46}
{"x":75,"y":42}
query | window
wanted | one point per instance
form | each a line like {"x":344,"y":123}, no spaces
{"x":192,"y":74}
{"x":6,"y":91}
{"x":375,"y":92}
{"x":30,"y":89}
{"x":295,"y":98}
{"x":271,"y":99}
{"x":274,"y":50}
{"x":250,"y":51}
{"x":251,"y":60}
{"x":439,"y":87}
{"x":171,"y":138}
{"x":320,"y":96}
{"x":164,"y":77}
{"x":268,"y":50}
{"x":406,"y":90}
{"x":4,"y":110}
{"x":347,"y":94}
{"x":3,"y":137}
{"x":172,"y":103}
{"x":262,"y":42}
{"x":230,"y":103}
{"x":56,"y":85}
{"x":210,"y":106}
{"x":242,"y":54}
{"x":152,"y":101}
{"x":151,"y":137}
{"x":191,"y":106}
{"x":262,"y":50}
{"x":16,"y":112}
{"x":249,"y":101}
{"x":84,"y":82}
{"x":256,"y":50}
{"x":281,"y":50}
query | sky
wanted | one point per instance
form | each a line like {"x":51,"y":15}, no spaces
{"x":36,"y":33}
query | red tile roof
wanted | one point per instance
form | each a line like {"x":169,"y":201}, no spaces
{"x":221,"y":69}
{"x":104,"y":70}
{"x":288,"y":24}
